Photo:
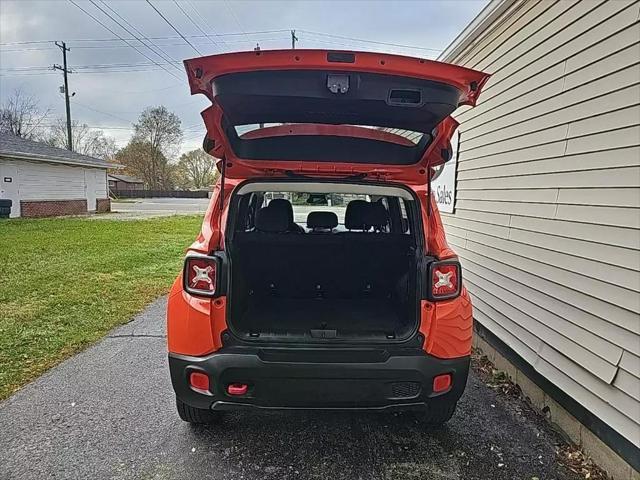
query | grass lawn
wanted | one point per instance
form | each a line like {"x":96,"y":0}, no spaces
{"x":64,"y":283}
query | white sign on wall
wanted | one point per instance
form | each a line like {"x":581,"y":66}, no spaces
{"x":443,"y":184}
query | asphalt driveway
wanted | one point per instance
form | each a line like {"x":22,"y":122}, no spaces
{"x":108,"y":413}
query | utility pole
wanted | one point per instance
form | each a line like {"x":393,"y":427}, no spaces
{"x":294,"y":39}
{"x":65,"y":71}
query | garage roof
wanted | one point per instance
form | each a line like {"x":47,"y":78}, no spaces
{"x":20,"y":148}
{"x":124,"y":178}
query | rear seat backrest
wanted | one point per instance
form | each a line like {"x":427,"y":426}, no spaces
{"x":262,"y":251}
{"x":333,"y":265}
{"x":373,"y":257}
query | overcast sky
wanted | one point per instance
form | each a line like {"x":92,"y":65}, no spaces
{"x":113,"y":82}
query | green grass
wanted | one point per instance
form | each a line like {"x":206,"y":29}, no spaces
{"x":64,"y":283}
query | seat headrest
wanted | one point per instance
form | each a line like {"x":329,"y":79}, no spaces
{"x":325,"y":220}
{"x":272,"y":220}
{"x":377,"y":216}
{"x":361,"y":215}
{"x":284,"y":205}
{"x":355,"y":217}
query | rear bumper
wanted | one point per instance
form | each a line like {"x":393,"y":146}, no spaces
{"x":318,"y":380}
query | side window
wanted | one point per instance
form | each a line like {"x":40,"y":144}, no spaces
{"x":249,"y":219}
{"x":385,"y":204}
{"x":404,"y":217}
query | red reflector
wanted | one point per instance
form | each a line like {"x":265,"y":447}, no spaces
{"x":237,"y":389}
{"x":445,"y":280}
{"x":442,"y":383}
{"x":199,"y":380}
{"x":200,"y":275}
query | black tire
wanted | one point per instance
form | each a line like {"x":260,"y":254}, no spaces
{"x":197,"y":416}
{"x":439,"y":413}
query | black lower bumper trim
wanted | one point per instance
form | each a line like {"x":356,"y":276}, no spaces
{"x":221,"y":405}
{"x":399,"y":382}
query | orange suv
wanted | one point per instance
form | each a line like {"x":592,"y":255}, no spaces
{"x":321,"y":278}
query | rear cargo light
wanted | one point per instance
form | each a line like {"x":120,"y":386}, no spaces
{"x":200,"y":275}
{"x":445,"y":279}
{"x":199,"y":381}
{"x":442,"y":383}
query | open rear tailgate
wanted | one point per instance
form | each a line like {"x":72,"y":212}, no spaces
{"x":339,"y":113}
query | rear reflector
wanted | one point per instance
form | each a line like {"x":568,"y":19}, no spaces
{"x":445,"y":279}
{"x":237,"y":389}
{"x":199,"y":381}
{"x":200,"y":275}
{"x":442,"y":383}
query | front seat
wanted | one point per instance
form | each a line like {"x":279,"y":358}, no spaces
{"x":284,"y":205}
{"x":356,"y":216}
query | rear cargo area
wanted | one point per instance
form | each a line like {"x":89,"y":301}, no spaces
{"x":331,"y":285}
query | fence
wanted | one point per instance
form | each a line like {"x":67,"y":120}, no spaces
{"x":159,"y":193}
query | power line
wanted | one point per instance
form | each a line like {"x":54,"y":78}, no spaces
{"x":233,"y":14}
{"x":174,"y":28}
{"x":219,"y":37}
{"x":90,"y":47}
{"x":164,"y":55}
{"x":164,"y":37}
{"x":100,"y":111}
{"x":101,"y":72}
{"x":370,"y":41}
{"x":125,"y":41}
{"x":31,"y":42}
{"x":93,"y":66}
{"x":194,"y":23}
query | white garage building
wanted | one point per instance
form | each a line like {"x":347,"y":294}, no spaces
{"x":44,"y":181}
{"x":547,"y":211}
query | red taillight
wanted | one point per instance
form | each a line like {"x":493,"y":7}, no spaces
{"x":200,"y":275}
{"x":442,"y":383}
{"x":445,"y":279}
{"x":199,"y":381}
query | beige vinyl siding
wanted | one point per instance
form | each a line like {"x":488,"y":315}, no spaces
{"x":547,"y":218}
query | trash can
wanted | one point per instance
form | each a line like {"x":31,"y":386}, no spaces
{"x":5,"y":208}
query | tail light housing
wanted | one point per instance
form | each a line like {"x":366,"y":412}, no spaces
{"x":201,"y":275}
{"x":445,"y":280}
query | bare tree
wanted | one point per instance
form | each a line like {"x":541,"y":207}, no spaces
{"x":141,"y":160}
{"x":196,"y":169}
{"x":87,"y":141}
{"x":160,"y":129}
{"x":22,"y":116}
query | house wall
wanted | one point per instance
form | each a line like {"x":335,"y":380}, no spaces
{"x":50,"y":189}
{"x":547,"y":218}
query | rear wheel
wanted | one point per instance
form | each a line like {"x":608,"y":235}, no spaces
{"x":439,"y":413}
{"x":197,"y":415}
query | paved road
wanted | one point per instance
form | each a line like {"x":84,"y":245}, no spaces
{"x":108,"y":413}
{"x":156,"y":207}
